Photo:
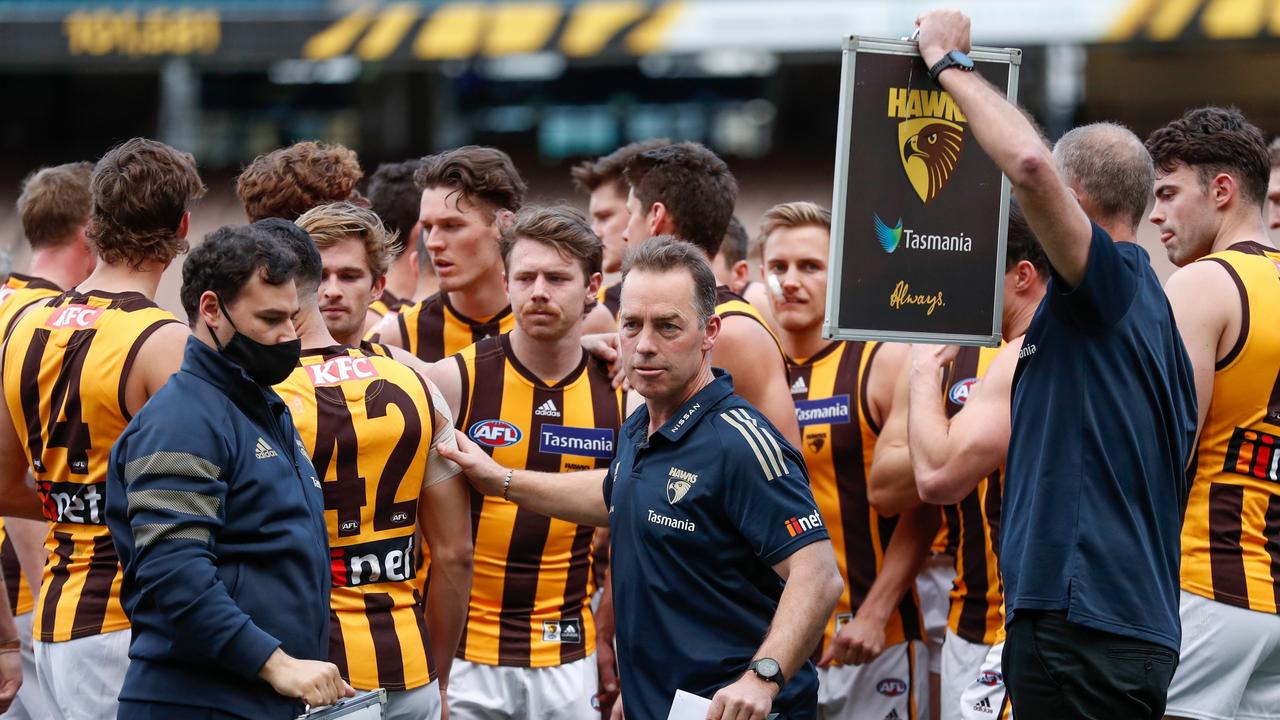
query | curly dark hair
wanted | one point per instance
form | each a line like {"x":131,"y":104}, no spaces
{"x":227,"y":259}
{"x":1213,"y":140}
{"x":591,"y":174}
{"x":141,"y":191}
{"x":310,"y":267}
{"x":695,"y":186}
{"x":395,"y":197}
{"x":287,"y":182}
{"x":477,"y":174}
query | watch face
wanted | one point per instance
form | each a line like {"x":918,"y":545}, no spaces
{"x":767,"y":667}
{"x":962,"y":59}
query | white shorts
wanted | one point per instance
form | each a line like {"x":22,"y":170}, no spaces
{"x":29,"y":704}
{"x":497,"y":692}
{"x":972,"y":683}
{"x":933,"y":585}
{"x":81,"y":679}
{"x":420,"y":703}
{"x":1229,"y":665}
{"x":896,"y":682}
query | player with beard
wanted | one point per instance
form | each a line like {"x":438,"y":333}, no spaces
{"x":1211,"y":184}
{"x":534,"y":400}
{"x":371,"y":426}
{"x":843,"y":391}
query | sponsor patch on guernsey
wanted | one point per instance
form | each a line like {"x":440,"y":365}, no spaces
{"x":565,"y":440}
{"x":827,"y":411}
{"x":495,"y":433}
{"x":340,"y":369}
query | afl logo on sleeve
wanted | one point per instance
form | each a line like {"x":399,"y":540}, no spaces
{"x":959,"y":393}
{"x":495,"y":433}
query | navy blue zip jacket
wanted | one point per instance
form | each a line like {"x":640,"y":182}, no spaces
{"x":218,"y":517}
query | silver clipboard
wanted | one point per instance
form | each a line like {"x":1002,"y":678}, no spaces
{"x":366,"y":705}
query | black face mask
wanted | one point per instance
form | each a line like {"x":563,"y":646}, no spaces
{"x":266,"y":365}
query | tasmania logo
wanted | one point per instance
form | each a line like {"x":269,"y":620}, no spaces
{"x":495,"y":433}
{"x":800,"y":525}
{"x":74,"y":317}
{"x":930,"y":138}
{"x":340,"y":369}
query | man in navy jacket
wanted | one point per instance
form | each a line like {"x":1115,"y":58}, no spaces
{"x":217,"y":513}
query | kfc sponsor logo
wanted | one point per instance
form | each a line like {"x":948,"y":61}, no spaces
{"x":340,"y":369}
{"x":74,"y":317}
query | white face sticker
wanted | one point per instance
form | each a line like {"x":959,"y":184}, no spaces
{"x":775,"y":287}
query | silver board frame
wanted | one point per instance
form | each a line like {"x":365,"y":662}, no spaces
{"x":853,"y":45}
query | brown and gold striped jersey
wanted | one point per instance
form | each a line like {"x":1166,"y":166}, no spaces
{"x":65,"y":369}
{"x":367,"y":422}
{"x":973,"y":525}
{"x":1231,"y":528}
{"x":20,"y":292}
{"x":532,"y":579}
{"x":15,"y":582}
{"x":388,"y":303}
{"x":433,"y":330}
{"x":839,"y":436}
{"x":611,"y":298}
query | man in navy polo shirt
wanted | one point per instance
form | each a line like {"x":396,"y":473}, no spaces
{"x":1104,"y":416}
{"x":723,"y":573}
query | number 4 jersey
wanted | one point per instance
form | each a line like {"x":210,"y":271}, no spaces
{"x":368,"y":423}
{"x":65,"y":369}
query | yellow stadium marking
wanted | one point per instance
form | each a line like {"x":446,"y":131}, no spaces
{"x":386,"y":34}
{"x":336,"y":39}
{"x":1229,"y":19}
{"x":651,"y":35}
{"x":594,"y":24}
{"x":1130,"y":20}
{"x":1170,"y":18}
{"x":521,"y":28}
{"x":453,"y":32}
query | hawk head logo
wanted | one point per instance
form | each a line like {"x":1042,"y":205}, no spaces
{"x":929,"y":149}
{"x":816,"y":442}
{"x":677,"y":489}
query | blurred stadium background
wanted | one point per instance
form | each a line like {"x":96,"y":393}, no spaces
{"x":552,"y":81}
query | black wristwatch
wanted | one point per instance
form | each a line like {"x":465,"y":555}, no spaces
{"x":768,"y":669}
{"x":953,"y":59}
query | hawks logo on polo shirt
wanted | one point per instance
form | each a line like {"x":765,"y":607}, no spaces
{"x":678,"y":484}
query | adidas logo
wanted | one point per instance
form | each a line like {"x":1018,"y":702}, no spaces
{"x":798,"y":387}
{"x":262,"y":450}
{"x":547,"y":409}
{"x":893,"y":715}
{"x":983,"y":706}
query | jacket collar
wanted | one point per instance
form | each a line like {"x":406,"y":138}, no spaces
{"x":210,"y":365}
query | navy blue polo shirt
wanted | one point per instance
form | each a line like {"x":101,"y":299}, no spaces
{"x":1104,"y":418}
{"x":700,"y":512}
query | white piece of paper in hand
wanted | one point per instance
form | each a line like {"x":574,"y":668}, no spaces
{"x":687,"y":706}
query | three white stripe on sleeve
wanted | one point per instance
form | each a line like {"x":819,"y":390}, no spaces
{"x":761,"y":442}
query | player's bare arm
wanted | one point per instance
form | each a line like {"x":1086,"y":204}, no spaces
{"x":747,"y":351}
{"x":444,"y":516}
{"x":404,"y":357}
{"x":577,"y":497}
{"x":160,"y":357}
{"x":861,"y":640}
{"x":813,"y":585}
{"x":950,"y":456}
{"x":891,"y":486}
{"x":18,"y":496}
{"x":10,"y":660}
{"x":1015,"y":145}
{"x":387,"y":331}
{"x":1206,"y":308}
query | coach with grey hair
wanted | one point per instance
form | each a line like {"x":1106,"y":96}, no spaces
{"x":1104,"y":416}
{"x":723,"y":573}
